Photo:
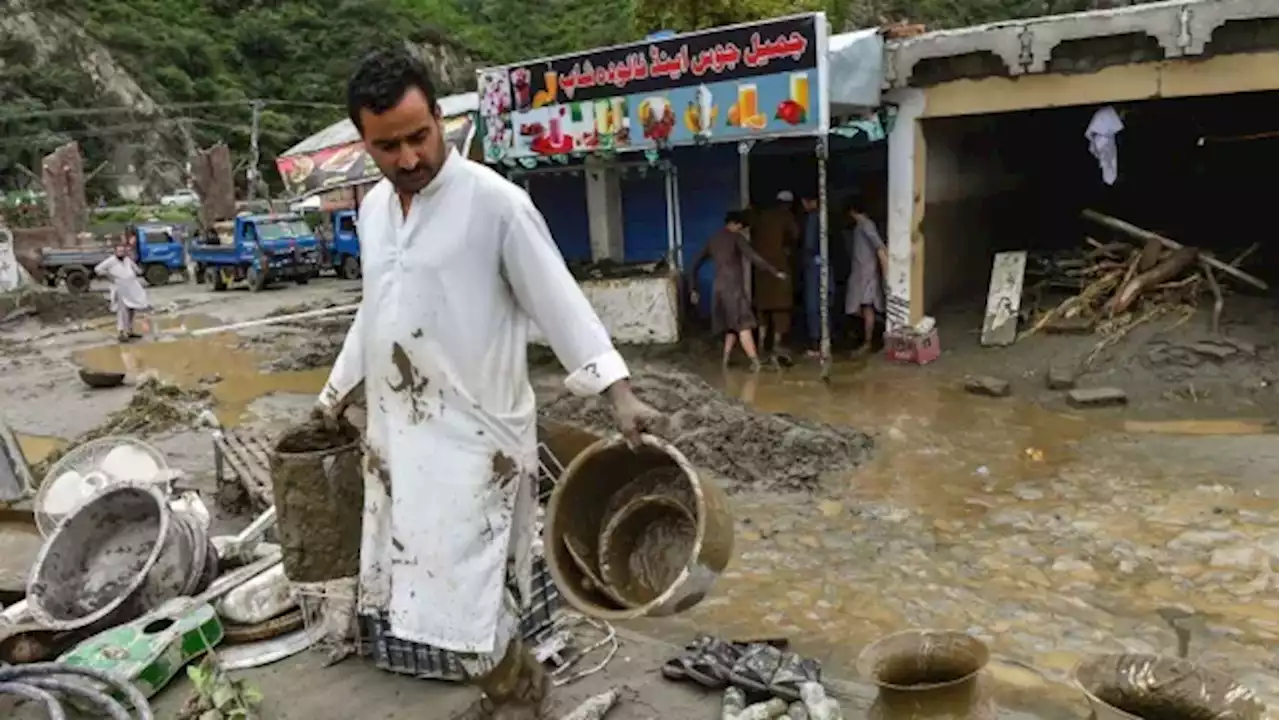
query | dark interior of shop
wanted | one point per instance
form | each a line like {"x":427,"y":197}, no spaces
{"x":1200,"y":171}
{"x":855,"y":169}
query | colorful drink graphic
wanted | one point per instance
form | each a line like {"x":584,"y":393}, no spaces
{"x":800,"y":90}
{"x":520,"y":85}
{"x":555,"y":134}
{"x":748,"y":102}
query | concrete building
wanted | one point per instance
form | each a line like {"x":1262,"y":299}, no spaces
{"x":988,"y":152}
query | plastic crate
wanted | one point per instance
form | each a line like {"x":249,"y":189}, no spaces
{"x":432,"y":663}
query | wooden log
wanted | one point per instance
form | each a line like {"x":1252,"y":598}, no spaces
{"x":1169,"y":268}
{"x":1150,"y":255}
{"x":1137,"y":232}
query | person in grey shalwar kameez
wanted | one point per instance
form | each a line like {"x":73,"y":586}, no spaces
{"x":870,"y":265}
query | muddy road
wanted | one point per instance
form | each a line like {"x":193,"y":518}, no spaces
{"x":1050,"y":533}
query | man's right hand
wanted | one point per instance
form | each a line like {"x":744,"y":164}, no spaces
{"x":327,"y":415}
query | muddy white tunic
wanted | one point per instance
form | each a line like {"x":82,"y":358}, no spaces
{"x":126,"y":288}
{"x":440,"y":342}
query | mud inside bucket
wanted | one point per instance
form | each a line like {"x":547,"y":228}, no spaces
{"x":95,"y":565}
{"x":651,"y":525}
{"x":927,"y":674}
{"x":318,"y":488}
{"x":1125,"y":686}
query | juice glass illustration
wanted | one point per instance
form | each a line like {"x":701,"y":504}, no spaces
{"x":520,"y":83}
{"x":748,"y":102}
{"x":800,"y":90}
{"x":604,"y":117}
{"x":555,"y":133}
{"x":549,"y":79}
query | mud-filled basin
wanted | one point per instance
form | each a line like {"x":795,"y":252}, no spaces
{"x":636,"y":532}
{"x":927,"y":674}
{"x":95,"y":565}
{"x":1129,"y":686}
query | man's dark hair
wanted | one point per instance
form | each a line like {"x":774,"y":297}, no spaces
{"x":382,"y":79}
{"x":737,"y":216}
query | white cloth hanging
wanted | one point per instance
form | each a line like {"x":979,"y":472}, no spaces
{"x":1101,"y":134}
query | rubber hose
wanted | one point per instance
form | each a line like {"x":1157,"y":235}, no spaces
{"x":18,"y":680}
{"x":94,"y":696}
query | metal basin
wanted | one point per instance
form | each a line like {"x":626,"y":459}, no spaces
{"x":928,"y":674}
{"x":96,"y":567}
{"x":96,"y":379}
{"x":1139,"y":686}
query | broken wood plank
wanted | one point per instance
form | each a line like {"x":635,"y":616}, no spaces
{"x":1071,"y":326}
{"x":1000,"y":325}
{"x":1201,"y":427}
{"x":1217,"y":296}
{"x":1167,"y":269}
{"x":1137,"y":232}
{"x":1150,"y":254}
{"x":1096,"y":397}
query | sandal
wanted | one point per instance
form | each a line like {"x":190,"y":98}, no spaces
{"x":706,"y":661}
{"x":767,"y":670}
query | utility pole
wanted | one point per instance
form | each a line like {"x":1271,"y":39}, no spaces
{"x":252,"y":175}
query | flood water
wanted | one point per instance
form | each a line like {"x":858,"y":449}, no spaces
{"x":1040,"y":532}
{"x":1006,"y":520}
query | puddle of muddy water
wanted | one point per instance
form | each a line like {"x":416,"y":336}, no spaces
{"x":35,"y":448}
{"x":994,"y":516}
{"x":233,"y":374}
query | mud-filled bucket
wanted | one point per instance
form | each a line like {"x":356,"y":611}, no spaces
{"x":1139,"y":686}
{"x":928,"y":674}
{"x":318,"y":488}
{"x":664,"y":529}
{"x":112,"y":559}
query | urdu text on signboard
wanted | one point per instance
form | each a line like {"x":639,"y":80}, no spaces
{"x":728,"y":84}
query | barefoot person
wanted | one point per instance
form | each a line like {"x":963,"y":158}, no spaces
{"x":127,"y":294}
{"x":731,"y":313}
{"x":457,"y":263}
{"x":865,"y":294}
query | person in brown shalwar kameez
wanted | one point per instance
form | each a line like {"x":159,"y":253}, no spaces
{"x":774,"y":233}
{"x":731,"y":313}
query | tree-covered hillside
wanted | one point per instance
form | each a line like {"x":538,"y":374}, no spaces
{"x":202,"y":61}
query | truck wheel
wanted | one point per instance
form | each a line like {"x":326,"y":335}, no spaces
{"x":350,"y":267}
{"x":200,"y":275}
{"x":303,"y":279}
{"x":157,"y":275}
{"x":256,"y":278}
{"x":77,"y":279}
{"x":214,"y":277}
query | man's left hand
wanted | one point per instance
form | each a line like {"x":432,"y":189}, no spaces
{"x":634,"y":416}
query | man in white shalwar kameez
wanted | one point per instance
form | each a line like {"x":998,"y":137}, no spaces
{"x":457,"y":262}
{"x":127,"y":294}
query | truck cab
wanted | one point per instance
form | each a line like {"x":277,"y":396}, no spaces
{"x":256,"y":250}
{"x":341,"y":245}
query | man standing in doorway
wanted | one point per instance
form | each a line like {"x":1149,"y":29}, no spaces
{"x":127,"y":293}
{"x":774,"y":233}
{"x":870,"y":266}
{"x":731,"y":314}
{"x":811,"y":264}
{"x":457,"y":262}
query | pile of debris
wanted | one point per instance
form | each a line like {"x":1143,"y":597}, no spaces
{"x":1118,"y":286}
{"x":51,"y":306}
{"x":156,"y":406}
{"x":724,"y":436}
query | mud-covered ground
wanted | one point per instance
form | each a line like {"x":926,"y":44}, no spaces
{"x":1052,"y":533}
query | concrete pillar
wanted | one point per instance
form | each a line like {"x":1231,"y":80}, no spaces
{"x":904,"y":298}
{"x":604,"y":210}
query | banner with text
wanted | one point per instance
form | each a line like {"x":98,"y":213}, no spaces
{"x":726,"y":84}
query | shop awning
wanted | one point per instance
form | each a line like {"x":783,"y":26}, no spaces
{"x":855,"y":71}
{"x":334,"y":158}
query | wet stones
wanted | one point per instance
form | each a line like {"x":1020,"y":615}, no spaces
{"x":1097,"y":397}
{"x":987,"y":386}
{"x":1060,"y":377}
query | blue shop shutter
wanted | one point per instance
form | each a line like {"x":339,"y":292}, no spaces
{"x":644,"y":216}
{"x":562,"y":199}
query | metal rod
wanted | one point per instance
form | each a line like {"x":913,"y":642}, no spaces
{"x":260,"y":322}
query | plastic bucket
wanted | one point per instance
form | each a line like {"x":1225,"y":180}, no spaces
{"x":927,"y":674}
{"x":602,"y":480}
{"x":1135,"y":686}
{"x":318,"y":488}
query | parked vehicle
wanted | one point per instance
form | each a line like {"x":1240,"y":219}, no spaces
{"x":180,"y":198}
{"x":340,"y":244}
{"x":256,"y":250}
{"x":155,"y":248}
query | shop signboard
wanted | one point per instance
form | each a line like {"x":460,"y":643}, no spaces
{"x":743,"y":82}
{"x":347,"y":164}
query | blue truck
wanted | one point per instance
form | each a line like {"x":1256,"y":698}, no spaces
{"x":340,"y":244}
{"x":156,"y":249}
{"x":256,"y":250}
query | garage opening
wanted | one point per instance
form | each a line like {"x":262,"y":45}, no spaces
{"x":1200,"y":171}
